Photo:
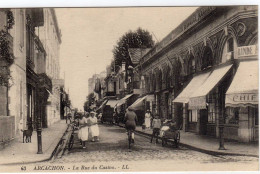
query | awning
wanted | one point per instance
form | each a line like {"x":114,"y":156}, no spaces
{"x":123,"y":100}
{"x":243,"y":90}
{"x":102,"y":105}
{"x":198,"y":98}
{"x":112,"y":103}
{"x":194,"y":84}
{"x":138,"y":104}
{"x":150,"y":97}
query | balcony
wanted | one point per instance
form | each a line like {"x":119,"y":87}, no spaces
{"x":7,"y":129}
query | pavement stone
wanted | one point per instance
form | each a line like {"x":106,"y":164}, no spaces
{"x":21,"y":153}
{"x":113,"y":148}
{"x":210,"y":145}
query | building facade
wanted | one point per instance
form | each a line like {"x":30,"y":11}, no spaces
{"x":25,"y":89}
{"x":50,"y":35}
{"x":191,"y":70}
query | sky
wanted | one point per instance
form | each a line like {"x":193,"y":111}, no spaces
{"x":90,"y":34}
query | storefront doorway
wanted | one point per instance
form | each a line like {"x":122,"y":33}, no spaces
{"x":203,"y":121}
{"x":30,"y":106}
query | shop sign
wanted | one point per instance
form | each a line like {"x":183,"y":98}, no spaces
{"x":197,"y":103}
{"x":197,"y":16}
{"x":242,"y":98}
{"x":247,"y":51}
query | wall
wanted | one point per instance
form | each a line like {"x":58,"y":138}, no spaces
{"x":17,"y":92}
{"x":3,"y":101}
{"x":49,"y":37}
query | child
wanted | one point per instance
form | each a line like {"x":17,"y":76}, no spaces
{"x":156,"y":124}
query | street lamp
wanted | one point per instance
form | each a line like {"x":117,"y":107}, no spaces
{"x":39,"y":124}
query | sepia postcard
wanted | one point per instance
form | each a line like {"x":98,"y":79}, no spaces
{"x":129,"y":89}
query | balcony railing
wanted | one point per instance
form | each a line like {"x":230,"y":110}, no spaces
{"x":7,"y":128}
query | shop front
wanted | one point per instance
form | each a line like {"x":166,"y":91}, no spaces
{"x":141,"y":105}
{"x":190,"y":120}
{"x":205,"y":101}
{"x":201,"y":101}
{"x":241,"y":117}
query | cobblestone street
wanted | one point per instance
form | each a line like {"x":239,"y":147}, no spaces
{"x":112,"y":148}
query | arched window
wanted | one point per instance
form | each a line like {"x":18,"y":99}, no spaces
{"x":168,"y":77}
{"x":191,"y":65}
{"x":229,"y":50}
{"x":207,"y":59}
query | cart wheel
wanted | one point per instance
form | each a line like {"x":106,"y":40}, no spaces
{"x":177,"y":139}
{"x":163,"y":142}
{"x":71,"y":142}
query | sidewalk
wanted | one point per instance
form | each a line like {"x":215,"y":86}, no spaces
{"x":210,"y":145}
{"x":18,"y":152}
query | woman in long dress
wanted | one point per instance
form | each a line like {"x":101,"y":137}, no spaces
{"x":147,"y":119}
{"x":83,"y":130}
{"x":94,"y":130}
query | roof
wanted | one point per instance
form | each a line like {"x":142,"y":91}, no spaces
{"x":137,"y":53}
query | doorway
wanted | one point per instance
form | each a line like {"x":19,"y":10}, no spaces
{"x":203,"y":121}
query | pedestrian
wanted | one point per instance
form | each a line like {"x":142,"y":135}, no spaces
{"x":148,"y":119}
{"x":70,"y":117}
{"x":94,"y":129}
{"x":130,"y":121}
{"x":83,"y":130}
{"x":156,"y":124}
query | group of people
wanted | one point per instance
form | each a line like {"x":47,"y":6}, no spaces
{"x":88,"y":128}
{"x":149,"y":122}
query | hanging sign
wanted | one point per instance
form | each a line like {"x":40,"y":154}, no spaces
{"x":244,"y":51}
{"x":241,"y":98}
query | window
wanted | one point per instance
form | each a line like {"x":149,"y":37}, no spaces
{"x":230,"y":45}
{"x":254,"y":112}
{"x":232,"y":116}
{"x":191,"y":66}
{"x":229,"y":50}
{"x":207,"y":59}
{"x":193,"y":117}
{"x":256,"y":116}
{"x":22,"y":29}
{"x":211,"y":114}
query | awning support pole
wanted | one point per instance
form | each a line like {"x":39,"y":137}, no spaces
{"x":221,"y":137}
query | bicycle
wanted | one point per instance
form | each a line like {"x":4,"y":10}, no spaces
{"x":73,"y":126}
{"x":130,"y":138}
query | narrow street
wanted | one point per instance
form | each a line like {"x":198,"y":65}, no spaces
{"x":112,"y":148}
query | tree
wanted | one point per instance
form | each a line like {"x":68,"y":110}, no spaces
{"x":86,"y":106}
{"x":137,"y":39}
{"x":91,"y":98}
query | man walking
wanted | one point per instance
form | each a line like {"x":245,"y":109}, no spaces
{"x":156,"y":124}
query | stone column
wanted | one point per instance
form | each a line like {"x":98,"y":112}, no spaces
{"x":218,"y":111}
{"x":198,"y":122}
{"x":185,"y":117}
{"x":243,"y":129}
